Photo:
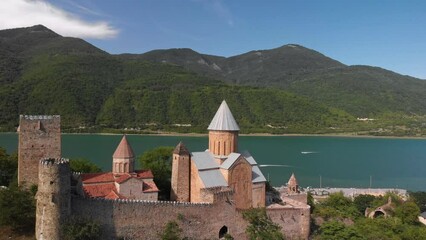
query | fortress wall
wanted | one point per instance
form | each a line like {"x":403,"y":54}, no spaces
{"x":300,"y":197}
{"x":144,"y":219}
{"x":295,"y":222}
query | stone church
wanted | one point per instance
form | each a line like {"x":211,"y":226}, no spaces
{"x":221,"y":165}
{"x":124,"y":182}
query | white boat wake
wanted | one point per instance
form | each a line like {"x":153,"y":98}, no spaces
{"x":308,"y":152}
{"x":275,"y":165}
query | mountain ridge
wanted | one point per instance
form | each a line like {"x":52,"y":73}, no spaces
{"x":289,"y":89}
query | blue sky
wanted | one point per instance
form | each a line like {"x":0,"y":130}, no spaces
{"x":386,"y":33}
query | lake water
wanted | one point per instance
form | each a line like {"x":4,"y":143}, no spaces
{"x":340,"y":161}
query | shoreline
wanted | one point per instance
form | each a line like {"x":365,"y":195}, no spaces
{"x":175,"y":134}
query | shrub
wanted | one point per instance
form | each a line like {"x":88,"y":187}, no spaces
{"x":171,"y":231}
{"x":81,"y":229}
{"x":260,"y":225}
{"x":17,"y":209}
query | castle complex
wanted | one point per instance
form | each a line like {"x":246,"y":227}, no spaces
{"x":219,"y":166}
{"x":209,"y":189}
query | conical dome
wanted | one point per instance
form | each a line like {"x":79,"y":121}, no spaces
{"x":292,"y":181}
{"x":124,"y":150}
{"x":181,"y":149}
{"x":223,"y":120}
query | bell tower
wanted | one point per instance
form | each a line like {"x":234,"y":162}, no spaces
{"x":292,"y":185}
{"x":223,"y":133}
{"x":181,"y":172}
{"x":123,"y":160}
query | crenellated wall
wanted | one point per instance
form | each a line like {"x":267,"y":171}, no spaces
{"x":138,"y":219}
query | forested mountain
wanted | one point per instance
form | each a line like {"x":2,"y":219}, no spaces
{"x":360,"y":90}
{"x":42,"y":72}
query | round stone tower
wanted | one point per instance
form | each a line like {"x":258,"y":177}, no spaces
{"x":53,"y":197}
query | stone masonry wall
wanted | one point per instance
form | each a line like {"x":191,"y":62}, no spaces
{"x":39,"y":137}
{"x":301,"y":197}
{"x":294,"y":222}
{"x":223,"y":142}
{"x":258,"y":194}
{"x":144,"y":219}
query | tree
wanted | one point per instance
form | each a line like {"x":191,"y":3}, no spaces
{"x":17,"y":209}
{"x":363,"y":202}
{"x":171,"y":231}
{"x":260,"y":225}
{"x":408,"y":212}
{"x":311,"y":201}
{"x":336,"y":206}
{"x":158,"y":160}
{"x":420,"y":199}
{"x":81,"y":229}
{"x":335,"y":230}
{"x":83,"y":165}
{"x":8,"y":167}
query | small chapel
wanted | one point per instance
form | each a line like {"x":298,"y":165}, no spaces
{"x":222,"y":165}
{"x":124,"y":182}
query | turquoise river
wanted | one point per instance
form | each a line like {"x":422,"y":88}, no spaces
{"x":338,"y":161}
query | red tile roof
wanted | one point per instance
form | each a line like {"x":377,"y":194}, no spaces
{"x":114,"y":195}
{"x":102,"y":185}
{"x":98,"y":190}
{"x":97,"y":177}
{"x":124,"y":177}
{"x":124,"y":150}
{"x":144,"y":174}
{"x":150,"y":187}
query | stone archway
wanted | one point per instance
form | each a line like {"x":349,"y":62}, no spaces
{"x":222,"y":232}
{"x":379,"y":213}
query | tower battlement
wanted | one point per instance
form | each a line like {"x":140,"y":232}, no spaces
{"x":39,"y":117}
{"x":54,"y":161}
{"x":39,"y":137}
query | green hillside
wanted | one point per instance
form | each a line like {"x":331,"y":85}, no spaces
{"x":179,"y":90}
{"x":166,"y":96}
{"x":359,"y":90}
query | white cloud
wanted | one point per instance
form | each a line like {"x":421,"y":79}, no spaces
{"x":24,"y":13}
{"x":219,"y":9}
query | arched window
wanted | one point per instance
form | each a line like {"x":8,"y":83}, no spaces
{"x":223,"y":231}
